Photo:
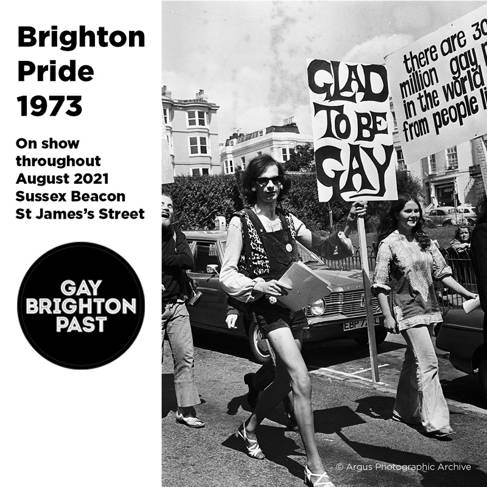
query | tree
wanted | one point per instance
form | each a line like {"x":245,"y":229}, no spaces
{"x":407,"y":184}
{"x":302,"y":159}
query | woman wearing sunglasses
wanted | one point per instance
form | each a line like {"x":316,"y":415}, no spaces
{"x":261,"y":245}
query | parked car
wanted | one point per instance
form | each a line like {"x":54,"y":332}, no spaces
{"x":461,"y":334}
{"x":468,"y":213}
{"x":446,"y":215}
{"x":341,"y":314}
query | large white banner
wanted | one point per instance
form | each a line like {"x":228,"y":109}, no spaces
{"x":352,"y":131}
{"x":438,"y":86}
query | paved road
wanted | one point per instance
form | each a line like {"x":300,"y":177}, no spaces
{"x":328,"y":359}
{"x":360,"y":445}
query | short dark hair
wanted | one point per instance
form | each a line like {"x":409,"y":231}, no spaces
{"x":254,"y":169}
{"x":166,"y":192}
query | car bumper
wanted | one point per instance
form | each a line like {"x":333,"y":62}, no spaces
{"x":332,"y":328}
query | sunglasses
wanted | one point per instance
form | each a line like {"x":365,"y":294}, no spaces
{"x":265,"y":181}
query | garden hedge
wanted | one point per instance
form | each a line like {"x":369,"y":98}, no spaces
{"x":199,"y":199}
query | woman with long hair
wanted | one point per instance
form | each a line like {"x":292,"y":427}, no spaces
{"x":407,"y":262}
{"x":461,"y":240}
{"x":261,"y":245}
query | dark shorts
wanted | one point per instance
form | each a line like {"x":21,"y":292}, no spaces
{"x":270,"y":317}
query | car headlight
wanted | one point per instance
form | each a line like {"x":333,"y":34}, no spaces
{"x":317,"y":308}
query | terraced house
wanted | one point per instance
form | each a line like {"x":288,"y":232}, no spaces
{"x":191,"y":132}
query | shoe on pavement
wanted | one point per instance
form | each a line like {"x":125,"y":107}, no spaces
{"x":440,"y":435}
{"x":191,"y":421}
{"x":292,"y":424}
{"x":252,"y":447}
{"x":316,"y":480}
{"x":399,"y":419}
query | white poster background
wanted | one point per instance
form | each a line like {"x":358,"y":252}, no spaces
{"x":459,"y":55}
{"x":366,"y":185}
{"x":100,"y":427}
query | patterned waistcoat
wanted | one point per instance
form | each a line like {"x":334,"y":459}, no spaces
{"x":253,"y":260}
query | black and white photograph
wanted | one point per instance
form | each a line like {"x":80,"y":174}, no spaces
{"x":324,"y":229}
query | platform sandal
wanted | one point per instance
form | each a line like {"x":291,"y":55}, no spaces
{"x":252,"y":447}
{"x":316,"y":479}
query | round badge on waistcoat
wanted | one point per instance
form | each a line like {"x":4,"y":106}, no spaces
{"x":289,"y":247}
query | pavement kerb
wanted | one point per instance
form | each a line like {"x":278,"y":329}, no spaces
{"x":388,"y":389}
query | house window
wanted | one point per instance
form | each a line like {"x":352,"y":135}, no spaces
{"x":228,"y":166}
{"x":401,"y":165}
{"x":170,"y":143}
{"x":200,"y":171}
{"x":242,"y":162}
{"x":196,"y":119}
{"x":432,"y":163}
{"x":287,"y":152}
{"x":452,"y":158}
{"x":198,"y":146}
{"x":165,"y":114}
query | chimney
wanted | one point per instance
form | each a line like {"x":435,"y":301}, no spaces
{"x":166,"y":92}
{"x":288,"y":121}
{"x":200,"y":95}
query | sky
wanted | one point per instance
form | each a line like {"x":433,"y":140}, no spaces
{"x":250,"y":57}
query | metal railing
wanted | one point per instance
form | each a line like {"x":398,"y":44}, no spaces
{"x":460,"y":263}
{"x":463,"y":272}
{"x":352,"y":262}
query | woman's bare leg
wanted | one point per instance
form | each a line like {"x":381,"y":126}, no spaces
{"x":291,"y":371}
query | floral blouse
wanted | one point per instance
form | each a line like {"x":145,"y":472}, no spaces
{"x":408,"y":271}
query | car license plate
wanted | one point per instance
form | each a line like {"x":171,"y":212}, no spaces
{"x":353,"y":325}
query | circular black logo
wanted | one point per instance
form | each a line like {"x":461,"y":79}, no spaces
{"x":81,"y":305}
